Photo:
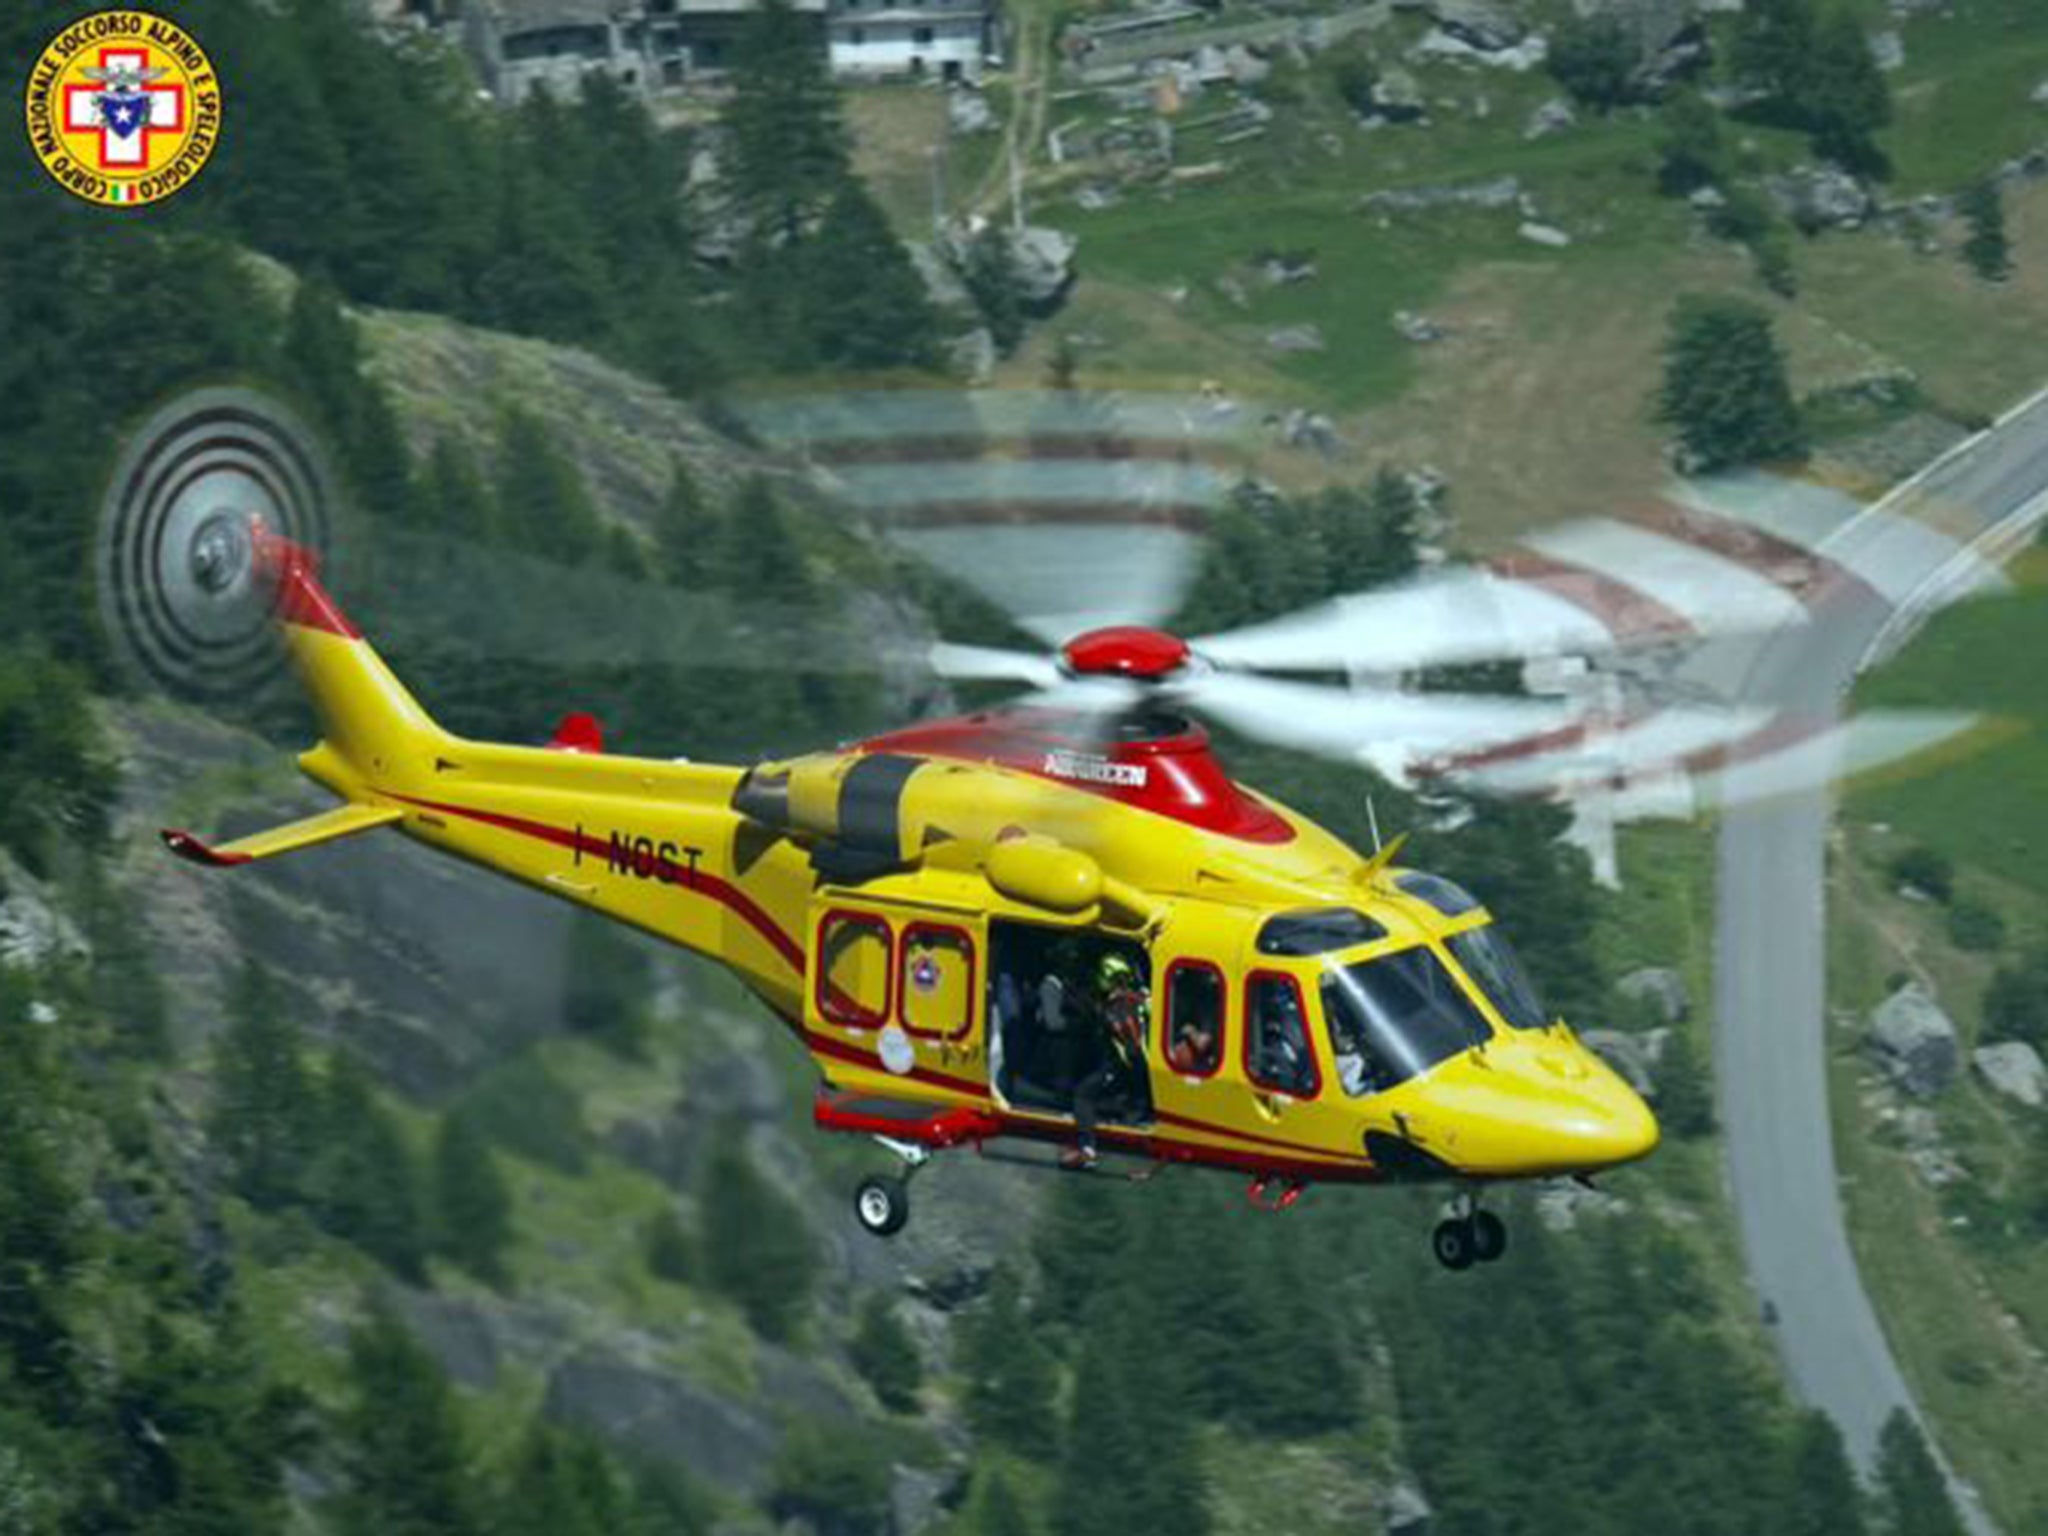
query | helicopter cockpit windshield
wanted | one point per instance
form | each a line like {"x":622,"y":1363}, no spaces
{"x":1497,"y":971}
{"x":1396,"y":1016}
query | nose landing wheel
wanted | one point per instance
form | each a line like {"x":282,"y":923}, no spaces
{"x":1477,"y":1237}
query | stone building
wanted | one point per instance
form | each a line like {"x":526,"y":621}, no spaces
{"x":652,"y":45}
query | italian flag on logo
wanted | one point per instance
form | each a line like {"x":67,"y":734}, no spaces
{"x":120,"y":192}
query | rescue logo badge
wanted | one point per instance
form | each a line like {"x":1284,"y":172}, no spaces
{"x":124,"y":108}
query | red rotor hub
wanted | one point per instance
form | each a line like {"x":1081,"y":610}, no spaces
{"x":1125,"y":650}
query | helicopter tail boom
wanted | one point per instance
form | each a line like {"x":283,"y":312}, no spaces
{"x":369,"y":721}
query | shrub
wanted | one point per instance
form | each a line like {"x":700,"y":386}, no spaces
{"x":1975,"y":925}
{"x":1927,"y":870}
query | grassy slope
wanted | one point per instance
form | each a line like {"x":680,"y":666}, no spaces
{"x":1964,"y":1299}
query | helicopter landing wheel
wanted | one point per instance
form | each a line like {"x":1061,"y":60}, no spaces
{"x":882,"y":1205}
{"x":1489,"y":1237}
{"x":1453,"y":1244}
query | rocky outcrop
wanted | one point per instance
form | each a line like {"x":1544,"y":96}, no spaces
{"x":1914,"y":1041}
{"x":1820,"y":196}
{"x":2014,"y":1069}
{"x":1480,"y":24}
{"x":32,"y":931}
{"x":1635,"y":1057}
{"x":665,"y":1418}
{"x":1663,"y":988}
{"x":1404,"y":1510}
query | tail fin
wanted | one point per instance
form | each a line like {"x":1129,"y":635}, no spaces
{"x":373,"y":728}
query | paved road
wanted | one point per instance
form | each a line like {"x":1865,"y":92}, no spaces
{"x":1770,"y":976}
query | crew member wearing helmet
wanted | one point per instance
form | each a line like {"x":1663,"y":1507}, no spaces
{"x":1119,"y":1071}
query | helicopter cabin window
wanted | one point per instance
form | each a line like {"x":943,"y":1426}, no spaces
{"x":854,"y":951}
{"x":1497,"y":971}
{"x":1054,"y":994}
{"x":1450,"y":899}
{"x":936,"y":980}
{"x":1401,"y":1013}
{"x":1278,"y":1056}
{"x":1193,"y":1033}
{"x":1317,"y":932}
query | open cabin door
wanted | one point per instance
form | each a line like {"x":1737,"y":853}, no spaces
{"x":896,"y":998}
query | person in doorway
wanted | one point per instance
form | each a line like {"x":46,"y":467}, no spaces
{"x":1119,"y":1070}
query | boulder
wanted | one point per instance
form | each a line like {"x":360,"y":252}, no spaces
{"x":1662,"y":987}
{"x":1627,"y":1054}
{"x":1479,"y":24}
{"x":1500,"y":192}
{"x":1246,"y":67}
{"x":1279,"y":271}
{"x":2039,"y":95}
{"x":1296,"y":338}
{"x":1044,"y":263}
{"x":1439,"y":46}
{"x":1397,"y":97}
{"x":969,"y":112}
{"x":1888,"y":49}
{"x":1816,"y":196}
{"x":1420,"y":329}
{"x":973,"y":355}
{"x":1543,"y":234}
{"x":2014,"y":1068}
{"x":919,"y":1499}
{"x":1404,"y":1511}
{"x":1554,"y":116}
{"x":1914,"y":1041}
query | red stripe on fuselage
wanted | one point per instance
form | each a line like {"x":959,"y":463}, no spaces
{"x":716,"y":887}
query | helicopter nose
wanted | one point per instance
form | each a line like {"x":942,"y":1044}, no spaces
{"x":1613,"y":1128}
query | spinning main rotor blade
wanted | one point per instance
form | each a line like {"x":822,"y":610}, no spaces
{"x":1482,"y":614}
{"x":1346,"y":724}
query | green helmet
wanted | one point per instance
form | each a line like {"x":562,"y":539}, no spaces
{"x":1115,"y":970}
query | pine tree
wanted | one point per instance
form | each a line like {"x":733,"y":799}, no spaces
{"x":670,"y":1254}
{"x":757,"y":1249}
{"x":546,"y":507}
{"x":2036,"y":1172}
{"x":44,"y":1230}
{"x":1690,"y":150}
{"x":399,"y":1438}
{"x":609,"y":984}
{"x":686,"y":531}
{"x":835,"y":1477}
{"x":472,"y":1206}
{"x":760,"y":557}
{"x":264,"y":1099}
{"x":786,"y":145}
{"x":1594,"y":58}
{"x":364,"y":1184}
{"x":990,"y":275}
{"x":1914,"y":1487}
{"x":1771,"y":47}
{"x":884,"y":1352}
{"x":1000,"y":1513}
{"x":1128,"y":1462}
{"x":559,"y":1485}
{"x":460,"y":500}
{"x":1824,"y":1497}
{"x":1844,"y":99}
{"x":1988,"y":252}
{"x":1685,"y":1098}
{"x":863,"y":303}
{"x":1010,"y":1378}
{"x":1725,"y":387}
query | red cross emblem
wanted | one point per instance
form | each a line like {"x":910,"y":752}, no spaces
{"x":125,"y":106}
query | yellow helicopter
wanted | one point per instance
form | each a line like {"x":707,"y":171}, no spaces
{"x":1027,"y":931}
